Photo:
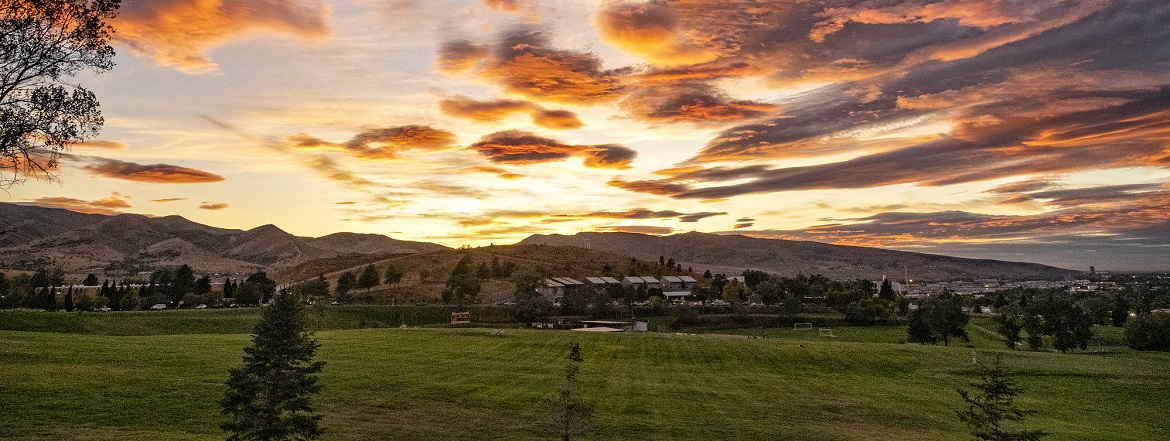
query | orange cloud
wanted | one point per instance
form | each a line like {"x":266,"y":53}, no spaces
{"x":498,"y":171}
{"x":168,"y":200}
{"x":154,"y":173}
{"x":108,"y":206}
{"x":381,"y":143}
{"x":520,"y":147}
{"x":179,"y":33}
{"x":502,"y":5}
{"x":651,"y":31}
{"x":101,"y":144}
{"x":523,"y":64}
{"x":213,"y":206}
{"x":494,"y":111}
{"x":639,"y":229}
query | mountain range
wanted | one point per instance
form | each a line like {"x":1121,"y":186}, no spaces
{"x":732,"y":254}
{"x":32,"y":236}
{"x":76,"y":242}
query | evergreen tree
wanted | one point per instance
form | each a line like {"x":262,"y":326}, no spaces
{"x":345,"y":283}
{"x":183,"y":282}
{"x":69,"y":299}
{"x":567,"y":410}
{"x":269,"y":398}
{"x":992,"y":404}
{"x":90,"y":280}
{"x":886,"y":292}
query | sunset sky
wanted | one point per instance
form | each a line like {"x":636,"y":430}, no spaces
{"x":1034,"y":130}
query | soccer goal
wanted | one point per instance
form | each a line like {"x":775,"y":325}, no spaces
{"x":802,"y":327}
{"x":827,"y":332}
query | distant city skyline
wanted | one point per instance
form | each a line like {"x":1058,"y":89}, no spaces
{"x":1029,"y":131}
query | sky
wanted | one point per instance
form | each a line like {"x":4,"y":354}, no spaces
{"x":1030,"y":130}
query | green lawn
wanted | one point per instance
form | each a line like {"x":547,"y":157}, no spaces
{"x":442,"y":384}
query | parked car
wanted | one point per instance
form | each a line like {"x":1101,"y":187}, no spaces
{"x":159,"y":306}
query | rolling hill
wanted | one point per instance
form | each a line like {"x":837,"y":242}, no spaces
{"x":80,"y":243}
{"x":733,"y":253}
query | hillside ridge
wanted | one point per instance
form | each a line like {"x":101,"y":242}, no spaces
{"x":34,"y":236}
{"x":734,"y":253}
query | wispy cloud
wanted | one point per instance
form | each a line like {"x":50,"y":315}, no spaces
{"x":640,"y":229}
{"x":382,"y":143}
{"x":494,"y":111}
{"x":152,"y":173}
{"x":110,"y":206}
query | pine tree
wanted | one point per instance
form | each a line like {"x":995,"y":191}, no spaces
{"x":886,"y":291}
{"x":345,"y":283}
{"x":69,"y":299}
{"x":567,"y":410}
{"x":269,"y":397}
{"x":993,"y":403}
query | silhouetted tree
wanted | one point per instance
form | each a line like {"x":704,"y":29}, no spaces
{"x":269,"y":398}
{"x":202,"y":286}
{"x":345,"y":283}
{"x":43,"y":42}
{"x":917,"y":330}
{"x":886,"y":291}
{"x":69,"y":299}
{"x":1120,"y":312}
{"x":90,"y":280}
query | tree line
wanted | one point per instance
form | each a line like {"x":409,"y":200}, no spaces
{"x":175,"y":287}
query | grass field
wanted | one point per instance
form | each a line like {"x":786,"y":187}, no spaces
{"x":216,"y":321}
{"x":432,"y":384}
